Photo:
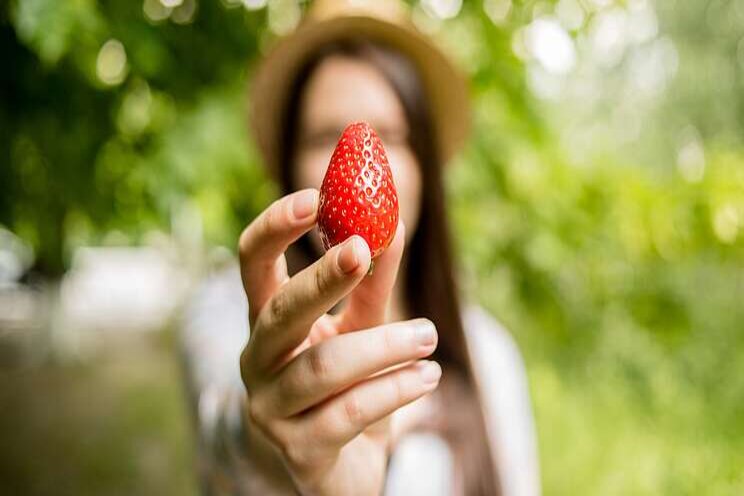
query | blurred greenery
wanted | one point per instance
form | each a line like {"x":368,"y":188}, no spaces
{"x":598,"y":210}
{"x":114,"y":425}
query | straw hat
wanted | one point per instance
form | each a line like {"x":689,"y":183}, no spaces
{"x":386,"y":21}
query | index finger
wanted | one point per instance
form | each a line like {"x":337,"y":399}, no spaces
{"x":262,"y":245}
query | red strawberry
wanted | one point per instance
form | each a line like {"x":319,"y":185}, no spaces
{"x":358,"y":194}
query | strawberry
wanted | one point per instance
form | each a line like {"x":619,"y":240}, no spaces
{"x":358,"y":194}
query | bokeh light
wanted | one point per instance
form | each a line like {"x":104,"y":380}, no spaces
{"x":111,"y":64}
{"x":442,"y":9}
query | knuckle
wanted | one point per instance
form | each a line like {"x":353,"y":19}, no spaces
{"x":353,"y":411}
{"x":289,"y":384}
{"x":322,"y":279}
{"x":270,"y":218}
{"x":389,"y":341}
{"x":270,"y":426}
{"x":279,"y":436}
{"x":294,"y":454}
{"x":255,"y":412}
{"x":397,"y":390}
{"x":276,"y":214}
{"x":245,"y":244}
{"x":292,"y":449}
{"x":278,"y":309}
{"x":283,"y":443}
{"x":319,"y":363}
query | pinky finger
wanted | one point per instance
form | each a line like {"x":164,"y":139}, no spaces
{"x":340,"y":419}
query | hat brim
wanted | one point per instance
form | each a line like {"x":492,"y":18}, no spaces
{"x":446,"y":88}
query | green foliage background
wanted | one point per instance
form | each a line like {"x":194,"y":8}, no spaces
{"x":622,"y":281}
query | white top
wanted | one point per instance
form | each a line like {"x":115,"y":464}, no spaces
{"x":214,"y":331}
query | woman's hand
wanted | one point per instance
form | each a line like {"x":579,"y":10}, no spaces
{"x":320,"y":393}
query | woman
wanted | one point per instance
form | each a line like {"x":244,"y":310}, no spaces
{"x":399,"y":389}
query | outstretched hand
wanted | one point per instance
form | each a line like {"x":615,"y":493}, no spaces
{"x":317,"y":382}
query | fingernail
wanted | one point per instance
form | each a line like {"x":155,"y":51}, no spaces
{"x":430,"y":372}
{"x":425,"y":333}
{"x":348,"y":257}
{"x":304,"y":204}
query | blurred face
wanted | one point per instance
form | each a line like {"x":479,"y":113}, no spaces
{"x":343,"y":90}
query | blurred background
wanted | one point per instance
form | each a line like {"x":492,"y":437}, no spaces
{"x":598,"y":211}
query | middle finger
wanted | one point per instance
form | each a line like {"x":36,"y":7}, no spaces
{"x":337,"y":363}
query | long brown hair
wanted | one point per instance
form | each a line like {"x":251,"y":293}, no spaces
{"x":429,"y":274}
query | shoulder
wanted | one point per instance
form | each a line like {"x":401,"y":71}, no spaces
{"x":496,"y":356}
{"x":501,"y":378}
{"x":486,"y":336}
